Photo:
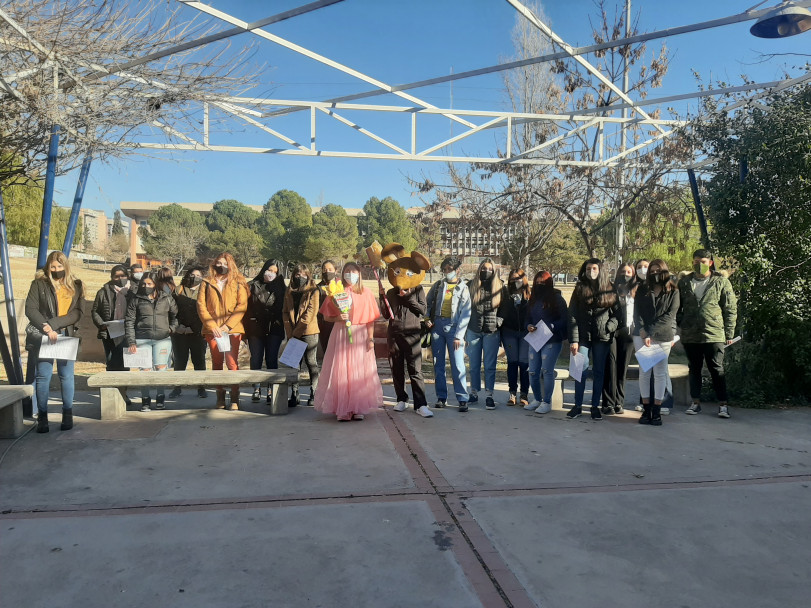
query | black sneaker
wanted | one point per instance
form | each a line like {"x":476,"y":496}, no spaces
{"x":440,"y":403}
{"x":489,"y":404}
{"x":462,"y":406}
{"x":201,"y":392}
{"x":607,"y":410}
{"x":618,"y":409}
{"x":145,"y":404}
{"x":176,"y":392}
{"x":257,"y":395}
{"x":159,"y":402}
{"x":311,"y":401}
{"x":596,"y":414}
{"x":575,"y":412}
{"x":473,"y":398}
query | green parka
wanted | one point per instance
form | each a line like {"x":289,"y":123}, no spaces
{"x":713,"y":317}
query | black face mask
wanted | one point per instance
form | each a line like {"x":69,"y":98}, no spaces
{"x":299,"y":282}
{"x":195,"y":281}
{"x":621,"y":280}
{"x":146,"y":291}
{"x":329,"y":276}
{"x":58,"y":275}
{"x":121,"y":282}
{"x":538,"y":290}
{"x":485,"y":275}
{"x":221,"y":269}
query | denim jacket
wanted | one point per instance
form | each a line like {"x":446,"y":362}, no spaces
{"x":460,"y":307}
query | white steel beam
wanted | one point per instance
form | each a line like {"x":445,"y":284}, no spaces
{"x":315,"y":56}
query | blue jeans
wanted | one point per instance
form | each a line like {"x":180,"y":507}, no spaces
{"x":265,"y":348}
{"x":517,"y":351}
{"x":542,"y":368}
{"x":42,"y":382}
{"x":161,"y":353}
{"x":599,"y":356}
{"x":440,"y":341}
{"x":476,"y":345}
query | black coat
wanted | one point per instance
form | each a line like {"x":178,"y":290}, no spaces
{"x":513,"y":311}
{"x":265,"y":306}
{"x":187,"y":315}
{"x":408,"y":310}
{"x":103,"y":309}
{"x":149,"y":319}
{"x":41,"y":308}
{"x":656,"y":314}
{"x":592,"y":323}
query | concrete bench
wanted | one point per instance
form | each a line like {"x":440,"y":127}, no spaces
{"x":11,"y":409}
{"x":113,"y":406}
{"x":679,"y":378}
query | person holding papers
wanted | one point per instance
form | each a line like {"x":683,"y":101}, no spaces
{"x":221,"y":304}
{"x":483,"y":338}
{"x":109,"y":309}
{"x":301,"y":303}
{"x":350,"y":386}
{"x":655,"y":307}
{"x":513,"y":311}
{"x":53,"y":308}
{"x":151,"y":319}
{"x":188,"y":339}
{"x":594,"y":317}
{"x":546,"y":313}
{"x":707,"y":317}
{"x":264,"y":322}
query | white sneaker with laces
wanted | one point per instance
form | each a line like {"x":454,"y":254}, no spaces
{"x":723,"y":411}
{"x":665,"y":411}
{"x":544,"y":408}
{"x":533,"y":405}
{"x":401,"y":406}
{"x":425,"y":412}
{"x":639,"y":408}
{"x":358,"y":416}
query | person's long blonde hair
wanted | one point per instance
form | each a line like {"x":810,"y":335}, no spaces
{"x":495,"y":286}
{"x":69,"y":279}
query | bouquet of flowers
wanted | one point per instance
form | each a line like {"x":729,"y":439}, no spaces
{"x":342,"y":300}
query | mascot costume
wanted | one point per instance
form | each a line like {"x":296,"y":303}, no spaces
{"x":404,"y":305}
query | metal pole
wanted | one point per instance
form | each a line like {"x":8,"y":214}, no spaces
{"x":702,"y":222}
{"x":77,"y":205}
{"x":47,"y":199}
{"x":16,"y":373}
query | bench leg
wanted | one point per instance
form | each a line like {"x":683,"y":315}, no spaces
{"x":113,"y":406}
{"x":11,"y":421}
{"x":557,"y":395}
{"x":278,"y":406}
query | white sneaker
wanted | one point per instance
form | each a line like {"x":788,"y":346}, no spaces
{"x":665,"y":411}
{"x":358,"y":416}
{"x":544,"y":408}
{"x":401,"y":406}
{"x":533,"y":405}
{"x":639,"y":408}
{"x":425,"y":412}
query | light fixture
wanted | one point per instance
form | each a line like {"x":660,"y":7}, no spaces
{"x":784,"y":21}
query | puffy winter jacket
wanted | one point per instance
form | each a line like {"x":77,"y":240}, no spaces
{"x":484,"y":317}
{"x":265,"y":306}
{"x":713,"y":317}
{"x":103,"y":309}
{"x":592,"y":323}
{"x":150,"y":319}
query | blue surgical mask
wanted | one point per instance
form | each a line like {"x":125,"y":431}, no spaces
{"x":351,"y":277}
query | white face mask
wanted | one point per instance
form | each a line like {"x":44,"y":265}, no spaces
{"x":137,"y":275}
{"x":594,"y":273}
{"x":642,"y":273}
{"x":351,"y":277}
{"x":451,"y":275}
{"x":269,"y":276}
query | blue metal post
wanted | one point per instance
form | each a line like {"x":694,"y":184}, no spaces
{"x":16,"y":374}
{"x":47,"y":199}
{"x":77,"y":205}
{"x":702,"y":221}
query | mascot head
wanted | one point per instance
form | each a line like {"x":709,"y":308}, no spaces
{"x":405,"y":271}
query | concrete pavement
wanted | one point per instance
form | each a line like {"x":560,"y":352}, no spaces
{"x":197,"y":507}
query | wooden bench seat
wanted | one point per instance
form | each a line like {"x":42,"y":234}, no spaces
{"x":11,"y":409}
{"x":113,"y":406}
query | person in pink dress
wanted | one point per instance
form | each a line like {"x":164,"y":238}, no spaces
{"x":349,"y":386}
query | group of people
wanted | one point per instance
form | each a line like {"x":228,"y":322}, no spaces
{"x":217,"y":308}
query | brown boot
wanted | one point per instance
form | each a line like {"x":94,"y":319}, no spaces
{"x":220,"y":399}
{"x":235,"y":398}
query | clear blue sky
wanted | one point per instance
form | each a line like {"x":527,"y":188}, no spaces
{"x":400,"y":42}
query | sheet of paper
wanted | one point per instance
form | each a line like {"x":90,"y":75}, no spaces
{"x":115,"y":328}
{"x":141,"y":359}
{"x":539,"y":337}
{"x":293,"y":352}
{"x":577,"y":364}
{"x":648,"y":356}
{"x":223,"y":343}
{"x":64,"y":348}
{"x":734,"y":340}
